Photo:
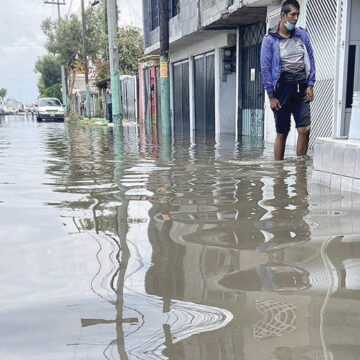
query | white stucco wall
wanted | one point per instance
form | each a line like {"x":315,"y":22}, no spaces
{"x":199,"y":45}
{"x":228,"y":104}
{"x":355,"y":23}
{"x":355,"y":39}
{"x":225,"y":92}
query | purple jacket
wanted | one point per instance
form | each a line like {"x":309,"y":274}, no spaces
{"x":271,"y":63}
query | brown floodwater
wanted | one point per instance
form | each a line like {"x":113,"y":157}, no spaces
{"x":136,"y":248}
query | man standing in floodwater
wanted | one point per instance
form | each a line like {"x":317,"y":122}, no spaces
{"x":109,"y":101}
{"x":288,"y":72}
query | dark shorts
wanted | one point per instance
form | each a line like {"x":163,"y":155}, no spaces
{"x":109,"y":112}
{"x":293,"y":101}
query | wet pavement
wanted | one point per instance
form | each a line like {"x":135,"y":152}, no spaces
{"x":132,"y":249}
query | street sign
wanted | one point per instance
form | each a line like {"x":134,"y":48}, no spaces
{"x":164,"y":70}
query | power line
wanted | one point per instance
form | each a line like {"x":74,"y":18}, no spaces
{"x":21,"y":45}
{"x":134,"y":10}
{"x":128,"y":6}
{"x":56,"y":2}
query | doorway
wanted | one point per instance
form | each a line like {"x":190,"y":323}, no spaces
{"x":252,"y":91}
{"x":353,"y":81}
{"x":181,"y":99}
{"x":352,"y":72}
{"x":205,"y":95}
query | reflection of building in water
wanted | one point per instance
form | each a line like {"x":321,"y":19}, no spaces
{"x":338,"y":237}
{"x":146,"y":326}
{"x":279,"y":318}
{"x":214,"y":236}
{"x":216,"y":225}
{"x":210,"y":221}
{"x":273,"y":276}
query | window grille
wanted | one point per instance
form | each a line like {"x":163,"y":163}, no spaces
{"x":154,"y":14}
{"x":253,"y":34}
{"x":174,"y":9}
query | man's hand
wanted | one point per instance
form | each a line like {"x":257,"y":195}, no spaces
{"x":309,"y":93}
{"x":275,"y":104}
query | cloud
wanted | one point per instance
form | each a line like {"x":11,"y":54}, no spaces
{"x":21,"y":40}
{"x":20,"y":45}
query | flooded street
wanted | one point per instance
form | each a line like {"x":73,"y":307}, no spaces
{"x":131,"y":249}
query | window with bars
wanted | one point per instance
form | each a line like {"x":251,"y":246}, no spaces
{"x":174,"y":9}
{"x":154,"y":14}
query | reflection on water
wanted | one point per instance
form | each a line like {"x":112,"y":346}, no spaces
{"x":135,"y":248}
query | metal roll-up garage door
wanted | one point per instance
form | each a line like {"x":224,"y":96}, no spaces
{"x":205,"y":95}
{"x":181,"y":99}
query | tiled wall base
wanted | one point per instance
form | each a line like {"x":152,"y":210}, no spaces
{"x":337,"y":164}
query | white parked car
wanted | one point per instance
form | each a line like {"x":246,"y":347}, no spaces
{"x":49,"y":109}
{"x":11,"y":107}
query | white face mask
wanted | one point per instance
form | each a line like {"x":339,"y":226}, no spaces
{"x":289,"y":26}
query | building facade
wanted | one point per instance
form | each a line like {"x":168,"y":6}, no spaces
{"x":216,"y":85}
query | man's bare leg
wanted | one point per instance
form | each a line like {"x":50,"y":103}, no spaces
{"x":279,"y":147}
{"x":303,"y":140}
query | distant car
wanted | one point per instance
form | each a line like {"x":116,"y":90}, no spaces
{"x":49,"y":109}
{"x":2,"y":106}
{"x":11,"y":110}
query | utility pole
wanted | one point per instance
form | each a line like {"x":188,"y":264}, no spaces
{"x":164,"y":68}
{"x":86,"y":69}
{"x":63,"y":75}
{"x":64,"y":88}
{"x":114,"y":63}
{"x":55,"y":2}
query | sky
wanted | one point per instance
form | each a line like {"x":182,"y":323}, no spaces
{"x":21,"y":40}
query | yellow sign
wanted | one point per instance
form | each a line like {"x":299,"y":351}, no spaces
{"x":164,"y":74}
{"x":78,"y":68}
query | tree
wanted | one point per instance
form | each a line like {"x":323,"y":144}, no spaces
{"x":3,"y":93}
{"x":64,"y":39}
{"x":50,"y":80}
{"x":96,"y":32}
{"x":64,"y":36}
{"x":130,"y":49}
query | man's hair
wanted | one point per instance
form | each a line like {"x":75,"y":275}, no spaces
{"x":286,"y":6}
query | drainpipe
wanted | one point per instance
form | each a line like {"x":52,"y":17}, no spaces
{"x":238,"y":82}
{"x":337,"y":118}
{"x":199,"y":14}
